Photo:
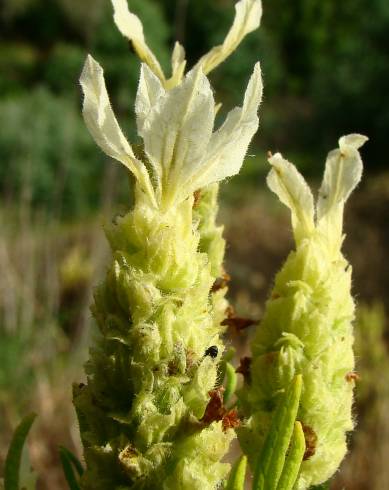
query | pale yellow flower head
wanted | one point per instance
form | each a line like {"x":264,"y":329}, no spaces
{"x":183,"y":153}
{"x":343,"y":171}
{"x":175,"y":117}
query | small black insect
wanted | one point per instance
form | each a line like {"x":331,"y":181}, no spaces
{"x":212,"y":351}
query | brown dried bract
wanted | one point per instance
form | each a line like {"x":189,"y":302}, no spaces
{"x":237,"y":322}
{"x":172,"y":368}
{"x":352,"y":376}
{"x":310,"y":441}
{"x":230,"y":311}
{"x":215,"y":409}
{"x":197,"y":197}
{"x":244,"y":368}
{"x":221,"y":282}
{"x":230,"y":420}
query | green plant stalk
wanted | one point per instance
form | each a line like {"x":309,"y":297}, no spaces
{"x":307,"y":326}
{"x":72,"y":459}
{"x":230,"y":383}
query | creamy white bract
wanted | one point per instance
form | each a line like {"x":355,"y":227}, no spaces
{"x":183,"y":154}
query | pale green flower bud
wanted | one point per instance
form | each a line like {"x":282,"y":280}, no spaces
{"x":307,"y":325}
{"x":151,"y":372}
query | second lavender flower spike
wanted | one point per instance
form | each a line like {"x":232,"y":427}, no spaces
{"x":307,"y":326}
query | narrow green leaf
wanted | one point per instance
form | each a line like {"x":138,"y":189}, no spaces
{"x":227,"y":357}
{"x":73,"y":459}
{"x":68,"y":465}
{"x":231,"y":381}
{"x":14,"y":455}
{"x":293,"y":460}
{"x":268,"y":468}
{"x":237,"y":475}
{"x":323,"y":486}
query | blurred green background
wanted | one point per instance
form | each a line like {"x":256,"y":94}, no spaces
{"x":326,"y":73}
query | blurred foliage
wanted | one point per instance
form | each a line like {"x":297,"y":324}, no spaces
{"x":48,"y":156}
{"x":51,"y":160}
{"x":75,"y":276}
{"x":13,"y":375}
{"x":372,"y":354}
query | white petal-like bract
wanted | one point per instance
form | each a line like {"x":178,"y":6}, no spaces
{"x":248,"y":15}
{"x":176,"y":127}
{"x":293,"y":191}
{"x":178,"y":65}
{"x":177,"y":133}
{"x":98,"y":113}
{"x":131,"y":27}
{"x":228,"y":145}
{"x":342,"y":174}
{"x":103,"y":126}
{"x":150,"y":90}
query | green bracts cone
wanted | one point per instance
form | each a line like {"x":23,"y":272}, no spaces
{"x":148,"y":376}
